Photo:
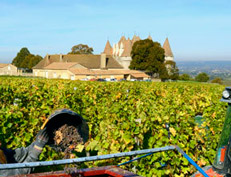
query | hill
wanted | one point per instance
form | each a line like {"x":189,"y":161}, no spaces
{"x":213,"y":68}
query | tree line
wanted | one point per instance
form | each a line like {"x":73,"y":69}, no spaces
{"x":201,"y":77}
{"x":24,"y":59}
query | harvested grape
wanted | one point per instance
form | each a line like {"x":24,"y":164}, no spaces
{"x":66,"y":138}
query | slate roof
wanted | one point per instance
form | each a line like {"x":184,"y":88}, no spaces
{"x":60,"y":65}
{"x":88,"y":61}
{"x":2,"y":65}
{"x":137,"y":75}
{"x":167,"y":49}
{"x":122,"y":39}
{"x":134,"y":73}
{"x":108,"y":48}
{"x":81,"y":71}
{"x":149,"y":37}
{"x":117,"y":72}
{"x":127,"y":48}
{"x":135,"y":38}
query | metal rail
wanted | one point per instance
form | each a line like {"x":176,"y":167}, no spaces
{"x":191,"y":161}
{"x":102,"y":157}
{"x":135,"y":159}
{"x":83,"y":159}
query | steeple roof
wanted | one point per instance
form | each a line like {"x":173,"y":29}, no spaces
{"x":135,"y":38}
{"x":149,"y":37}
{"x":127,"y":48}
{"x":108,"y":48}
{"x":122,"y":39}
{"x":167,"y":49}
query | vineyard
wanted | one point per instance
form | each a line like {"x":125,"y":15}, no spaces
{"x":122,"y":116}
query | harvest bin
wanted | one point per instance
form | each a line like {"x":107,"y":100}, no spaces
{"x":106,"y":171}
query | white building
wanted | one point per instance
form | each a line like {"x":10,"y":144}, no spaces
{"x":8,"y":69}
{"x":121,"y":51}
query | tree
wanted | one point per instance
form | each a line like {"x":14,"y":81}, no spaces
{"x":202,"y":77}
{"x":30,"y":61}
{"x":217,"y":80}
{"x":81,"y":49}
{"x":163,"y":73}
{"x":185,"y":77}
{"x":172,"y":69}
{"x":21,"y":55}
{"x":34,"y":61}
{"x":149,"y":57}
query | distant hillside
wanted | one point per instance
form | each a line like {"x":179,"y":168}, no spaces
{"x":213,"y":68}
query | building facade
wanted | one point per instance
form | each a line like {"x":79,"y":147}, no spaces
{"x":79,"y":66}
{"x":121,"y":51}
{"x":8,"y":69}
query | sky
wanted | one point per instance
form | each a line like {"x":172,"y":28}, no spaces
{"x":196,"y":29}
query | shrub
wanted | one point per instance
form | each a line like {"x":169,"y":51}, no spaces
{"x":185,"y":77}
{"x":202,"y":77}
{"x":217,"y":80}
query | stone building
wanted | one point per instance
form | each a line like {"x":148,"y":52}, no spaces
{"x":121,"y":51}
{"x":82,"y":66}
{"x":8,"y":69}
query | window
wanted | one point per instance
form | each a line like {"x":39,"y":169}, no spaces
{"x":46,"y":74}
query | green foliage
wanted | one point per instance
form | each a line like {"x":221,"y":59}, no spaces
{"x":202,"y":77}
{"x":25,"y":59}
{"x":21,"y":55}
{"x":185,"y":77}
{"x":30,"y":61}
{"x":217,"y":80}
{"x":81,"y":49}
{"x":148,"y":56}
{"x":119,"y":121}
{"x":172,"y":69}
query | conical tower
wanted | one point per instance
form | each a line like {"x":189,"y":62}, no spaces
{"x":127,"y":48}
{"x":135,"y":38}
{"x":149,"y":37}
{"x":122,"y":39}
{"x":167,"y":48}
{"x":108,"y":48}
{"x":168,"y":51}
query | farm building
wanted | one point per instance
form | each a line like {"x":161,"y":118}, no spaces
{"x":8,"y":69}
{"x":81,"y":66}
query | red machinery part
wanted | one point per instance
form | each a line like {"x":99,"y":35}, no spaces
{"x":108,"y":171}
{"x":223,"y":150}
{"x":211,"y":173}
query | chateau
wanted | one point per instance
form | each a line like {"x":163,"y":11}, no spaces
{"x":122,"y":50}
{"x":113,"y":63}
{"x":84,"y":66}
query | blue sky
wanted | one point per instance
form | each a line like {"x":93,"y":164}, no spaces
{"x":197,"y":29}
